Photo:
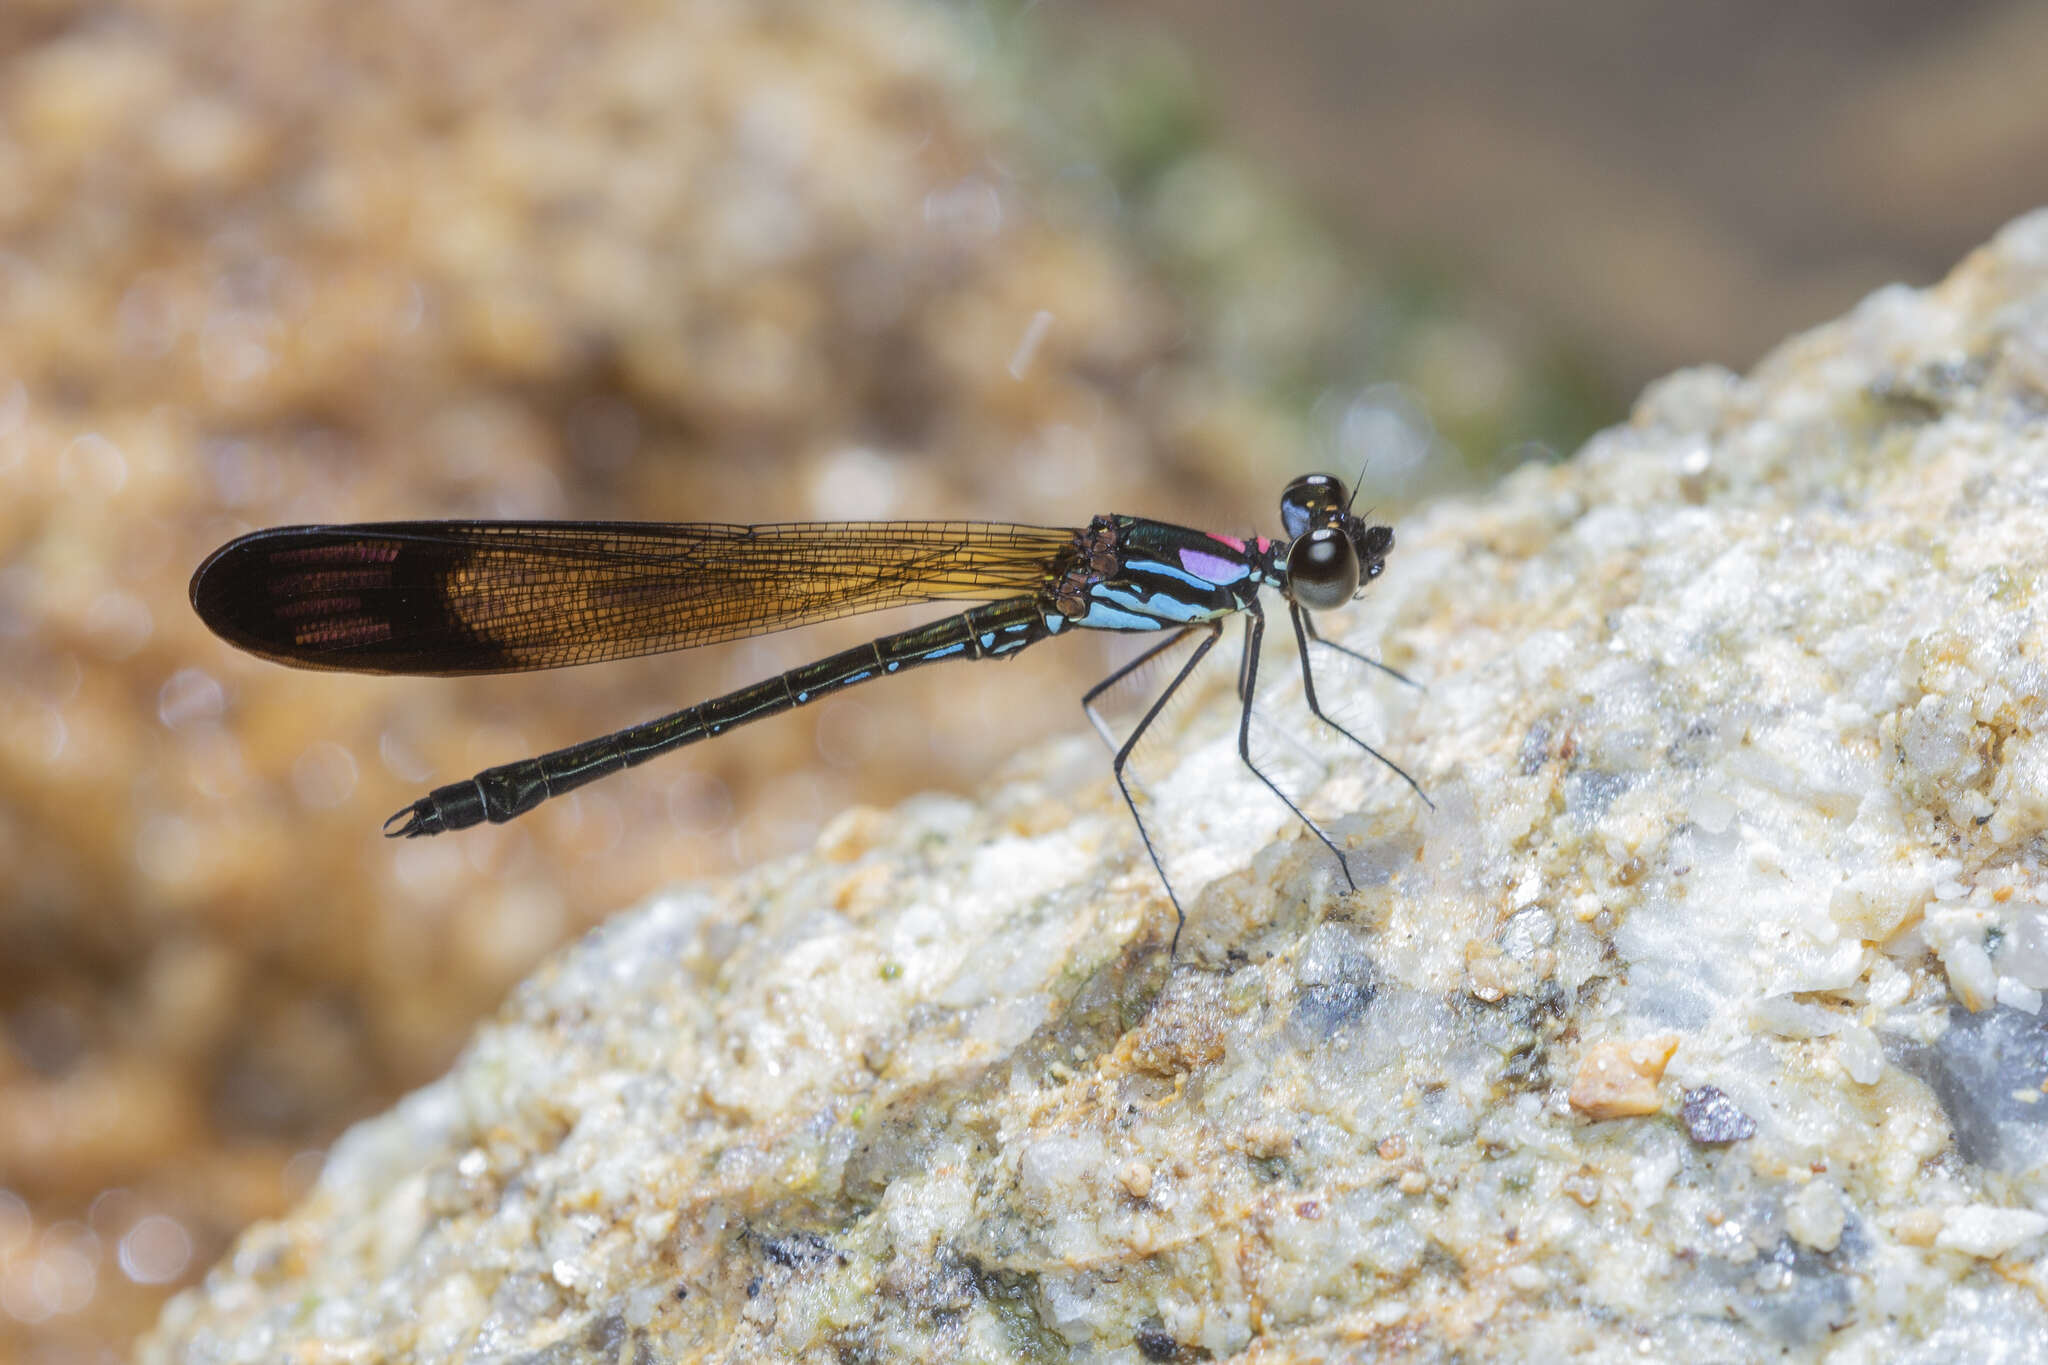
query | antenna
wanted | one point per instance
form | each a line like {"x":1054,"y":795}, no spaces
{"x":1356,"y":484}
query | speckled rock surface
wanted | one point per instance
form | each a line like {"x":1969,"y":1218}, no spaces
{"x":1699,"y":1020}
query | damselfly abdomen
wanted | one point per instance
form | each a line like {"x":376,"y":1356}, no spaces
{"x":454,"y":597}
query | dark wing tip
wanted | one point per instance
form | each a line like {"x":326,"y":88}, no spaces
{"x":365,"y":599}
{"x":235,"y":592}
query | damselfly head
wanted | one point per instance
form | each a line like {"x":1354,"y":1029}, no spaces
{"x":1334,"y":554}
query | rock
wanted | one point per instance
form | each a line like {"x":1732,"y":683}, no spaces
{"x":1735,"y":733}
{"x":1619,"y":1080}
{"x":1989,"y":1231}
{"x":1711,"y":1116}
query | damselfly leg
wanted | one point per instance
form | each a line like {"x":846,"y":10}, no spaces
{"x":1124,"y":671}
{"x":1305,"y":631}
{"x":1123,"y":754}
{"x":1254,"y":638}
{"x":1305,"y":622}
{"x":1245,"y":687}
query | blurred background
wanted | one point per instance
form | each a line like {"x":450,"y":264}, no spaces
{"x":352,"y":259}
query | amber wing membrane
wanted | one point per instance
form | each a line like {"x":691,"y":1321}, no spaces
{"x":496,"y":597}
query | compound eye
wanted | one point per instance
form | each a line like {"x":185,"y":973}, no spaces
{"x":1322,"y":569}
{"x":1308,"y":501}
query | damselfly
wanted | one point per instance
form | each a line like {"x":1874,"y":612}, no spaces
{"x":456,"y":597}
